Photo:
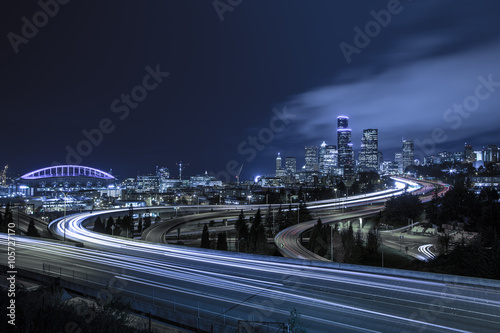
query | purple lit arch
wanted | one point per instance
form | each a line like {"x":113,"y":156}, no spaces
{"x":67,"y":171}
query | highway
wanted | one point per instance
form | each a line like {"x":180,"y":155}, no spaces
{"x":288,"y":240}
{"x":218,"y":289}
{"x":227,"y":287}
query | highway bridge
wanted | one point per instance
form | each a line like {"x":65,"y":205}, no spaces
{"x":218,"y":291}
{"x":288,"y":241}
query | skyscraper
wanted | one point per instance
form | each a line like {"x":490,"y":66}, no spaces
{"x":491,"y":154}
{"x":368,"y":157}
{"x":398,"y":159}
{"x":344,"y":144}
{"x":328,"y":158}
{"x":290,"y":165}
{"x":407,"y":153}
{"x":311,"y":158}
{"x":279,"y":170}
{"x":469,"y":155}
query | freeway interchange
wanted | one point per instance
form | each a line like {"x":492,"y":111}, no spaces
{"x":215,"y":290}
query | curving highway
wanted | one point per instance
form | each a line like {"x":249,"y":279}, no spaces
{"x":288,"y":240}
{"x":221,"y":288}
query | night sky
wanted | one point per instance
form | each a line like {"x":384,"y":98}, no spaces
{"x":204,"y":80}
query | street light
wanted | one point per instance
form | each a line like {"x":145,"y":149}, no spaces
{"x":331,"y":240}
{"x":198,"y":198}
{"x":249,"y":198}
{"x":239,"y":244}
{"x":64,"y":218}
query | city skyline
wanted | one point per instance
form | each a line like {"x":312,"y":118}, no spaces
{"x":173,"y":82}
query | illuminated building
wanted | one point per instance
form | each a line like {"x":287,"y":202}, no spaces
{"x":290,"y":165}
{"x":368,"y":157}
{"x":280,"y":172}
{"x":311,"y":153}
{"x":491,"y":154}
{"x":328,"y":158}
{"x":65,"y":178}
{"x":344,"y":144}
{"x":407,"y":154}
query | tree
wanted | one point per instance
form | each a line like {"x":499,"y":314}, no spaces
{"x":32,"y":230}
{"x":320,"y":238}
{"x":252,"y":239}
{"x":147,"y":221}
{"x":98,"y":225}
{"x":241,"y":227}
{"x":109,"y":225}
{"x":442,"y":243}
{"x":305,"y":213}
{"x":348,"y":243}
{"x":222,"y":241}
{"x":432,"y":209}
{"x":128,"y":225}
{"x":3,"y":224}
{"x":205,"y":238}
{"x":280,"y":219}
{"x":372,"y":241}
{"x":139,"y":225}
{"x":399,"y":209}
{"x":269,"y":223}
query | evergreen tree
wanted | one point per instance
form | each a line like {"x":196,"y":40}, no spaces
{"x":280,"y":219}
{"x":139,"y":225}
{"x":241,"y":227}
{"x":109,"y":224}
{"x":128,"y":225}
{"x":315,"y":236}
{"x":252,"y":243}
{"x":347,"y":237}
{"x":98,"y":225}
{"x":205,"y":238}
{"x":372,"y":241}
{"x":432,"y":210}
{"x":32,"y":230}
{"x":147,"y":222}
{"x":221,"y":241}
{"x":269,"y":223}
{"x":3,"y":224}
{"x":305,"y":213}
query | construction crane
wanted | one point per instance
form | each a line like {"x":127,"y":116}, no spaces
{"x":3,"y":176}
{"x":181,"y":167}
{"x":238,"y":175}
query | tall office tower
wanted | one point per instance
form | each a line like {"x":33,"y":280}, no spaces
{"x":344,"y":144}
{"x":407,"y":153}
{"x":469,"y":155}
{"x":368,"y":157}
{"x":491,"y":154}
{"x":311,"y":158}
{"x":328,"y":155}
{"x":398,"y":159}
{"x":380,"y":158}
{"x":163,"y":174}
{"x":279,"y":170}
{"x":290,"y":165}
